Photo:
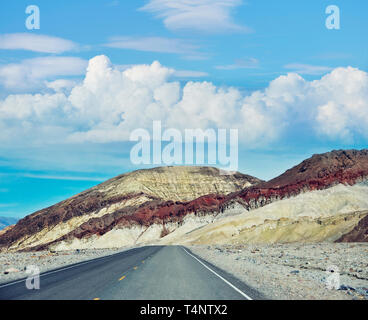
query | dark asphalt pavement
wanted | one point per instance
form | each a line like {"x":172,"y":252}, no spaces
{"x":146,"y":273}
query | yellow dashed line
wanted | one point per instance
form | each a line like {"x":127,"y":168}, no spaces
{"x":96,"y":299}
{"x":122,"y":278}
{"x":135,"y":268}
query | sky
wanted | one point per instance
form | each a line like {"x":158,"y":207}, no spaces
{"x":72,"y":91}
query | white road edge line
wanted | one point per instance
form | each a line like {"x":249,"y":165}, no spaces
{"x":223,"y":279}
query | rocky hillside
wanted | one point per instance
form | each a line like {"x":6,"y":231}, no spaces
{"x":131,"y":202}
{"x":324,"y":198}
{"x":319,"y":172}
{"x":358,"y":234}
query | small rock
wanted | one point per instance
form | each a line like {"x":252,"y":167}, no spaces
{"x":362,"y":291}
{"x":345,"y":288}
{"x":295,"y":272}
{"x":11,"y":270}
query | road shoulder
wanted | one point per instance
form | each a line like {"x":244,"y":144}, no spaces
{"x":291,"y":272}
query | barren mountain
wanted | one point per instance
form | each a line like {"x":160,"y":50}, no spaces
{"x":127,"y":205}
{"x":319,"y":172}
{"x":322,"y":170}
{"x":325,"y":198}
{"x":321,"y":199}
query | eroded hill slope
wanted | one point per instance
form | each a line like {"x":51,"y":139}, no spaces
{"x":132,"y":201}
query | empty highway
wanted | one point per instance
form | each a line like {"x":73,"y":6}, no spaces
{"x":145,"y":273}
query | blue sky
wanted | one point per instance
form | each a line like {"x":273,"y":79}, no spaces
{"x":59,"y":137}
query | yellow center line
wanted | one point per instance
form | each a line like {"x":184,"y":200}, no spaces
{"x":96,"y":299}
{"x":135,"y":268}
{"x":122,"y":278}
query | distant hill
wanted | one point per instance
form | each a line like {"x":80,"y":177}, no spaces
{"x":6,"y":221}
{"x":139,"y":206}
{"x":324,"y":198}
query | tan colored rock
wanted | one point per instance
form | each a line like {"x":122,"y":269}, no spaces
{"x":178,"y":183}
{"x":3,"y":231}
{"x":318,"y":216}
{"x":11,"y":270}
{"x":95,"y":211}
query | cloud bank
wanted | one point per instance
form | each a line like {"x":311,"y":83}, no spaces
{"x":110,"y":103}
{"x":31,"y":73}
{"x":36,"y":43}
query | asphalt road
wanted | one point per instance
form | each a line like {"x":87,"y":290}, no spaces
{"x":146,"y":273}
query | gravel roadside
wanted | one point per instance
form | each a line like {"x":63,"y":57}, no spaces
{"x":295,"y":271}
{"x":13,"y":265}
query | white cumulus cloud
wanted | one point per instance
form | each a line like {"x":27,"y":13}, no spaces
{"x":61,"y":85}
{"x":109,"y":103}
{"x":343,"y":110}
{"x":31,"y":73}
